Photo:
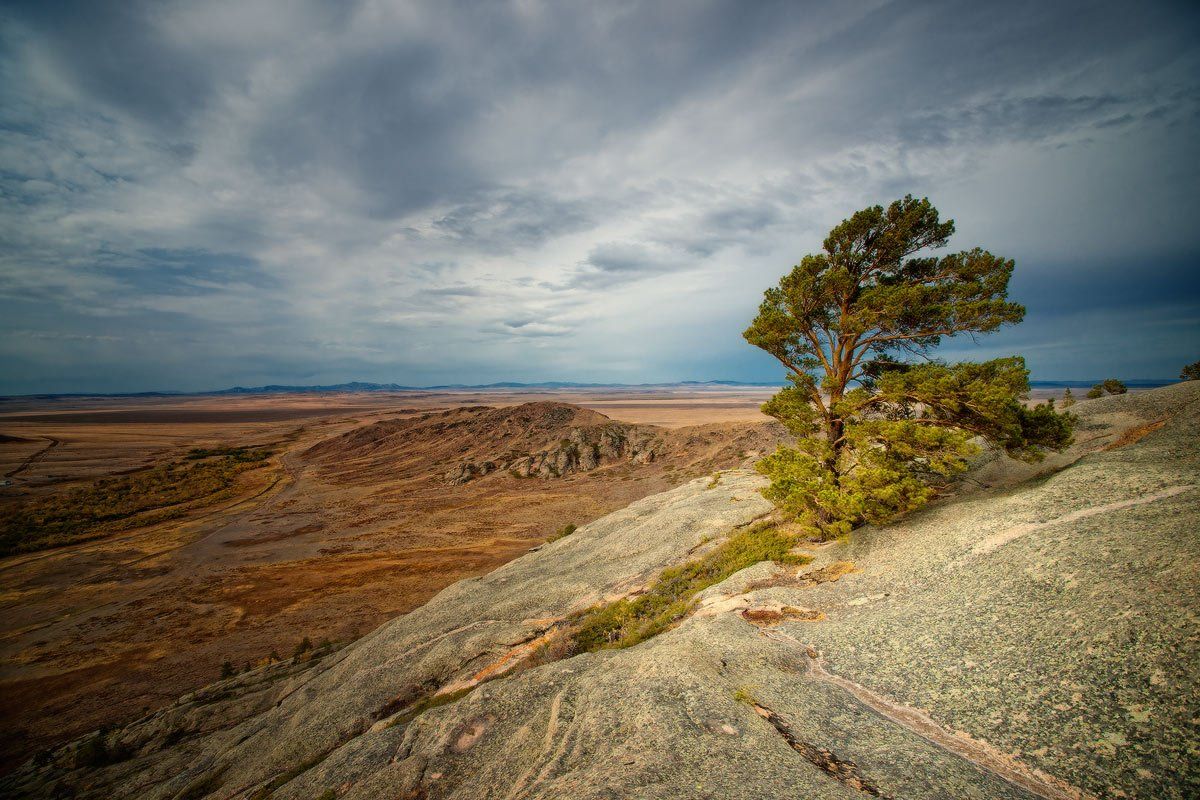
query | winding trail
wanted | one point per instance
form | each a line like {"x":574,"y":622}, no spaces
{"x":34,"y":458}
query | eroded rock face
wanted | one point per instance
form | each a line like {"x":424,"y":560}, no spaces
{"x":583,"y":450}
{"x":1030,"y":642}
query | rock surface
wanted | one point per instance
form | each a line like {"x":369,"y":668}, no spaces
{"x":582,"y":449}
{"x":1020,"y":641}
{"x":533,"y":440}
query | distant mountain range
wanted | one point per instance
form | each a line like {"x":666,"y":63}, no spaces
{"x":359,"y":386}
{"x":365,"y":387}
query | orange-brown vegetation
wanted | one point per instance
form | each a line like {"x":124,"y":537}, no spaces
{"x":349,"y":521}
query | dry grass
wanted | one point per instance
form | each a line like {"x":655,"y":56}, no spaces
{"x":124,"y":501}
{"x":323,"y":549}
{"x":629,"y":621}
{"x":1133,"y":435}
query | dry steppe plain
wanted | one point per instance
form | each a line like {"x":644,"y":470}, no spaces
{"x":348,"y":523}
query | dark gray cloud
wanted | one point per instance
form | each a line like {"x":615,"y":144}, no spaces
{"x":195,"y":194}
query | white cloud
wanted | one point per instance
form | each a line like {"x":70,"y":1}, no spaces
{"x":431,"y":193}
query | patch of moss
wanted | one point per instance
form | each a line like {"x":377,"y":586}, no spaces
{"x":743,"y":695}
{"x":426,"y":703}
{"x":201,"y":787}
{"x":628,"y":621}
{"x":282,"y":778}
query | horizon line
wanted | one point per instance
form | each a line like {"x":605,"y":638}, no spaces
{"x":379,"y":387}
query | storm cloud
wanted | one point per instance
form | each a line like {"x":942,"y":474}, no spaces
{"x":198,"y":195}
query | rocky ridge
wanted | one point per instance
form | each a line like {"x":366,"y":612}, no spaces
{"x":540,"y":439}
{"x":582,"y":450}
{"x":1029,"y":640}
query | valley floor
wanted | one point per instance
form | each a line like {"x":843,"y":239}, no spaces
{"x":1035,"y":637}
{"x":326,"y":547}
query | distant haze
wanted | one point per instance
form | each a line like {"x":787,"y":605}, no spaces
{"x":201,"y":195}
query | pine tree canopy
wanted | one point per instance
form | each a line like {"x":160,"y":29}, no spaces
{"x":880,"y":427}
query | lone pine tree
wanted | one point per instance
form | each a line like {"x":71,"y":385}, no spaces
{"x":880,"y":426}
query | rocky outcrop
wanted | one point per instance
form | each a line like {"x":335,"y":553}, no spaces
{"x":582,"y":450}
{"x":1036,"y":641}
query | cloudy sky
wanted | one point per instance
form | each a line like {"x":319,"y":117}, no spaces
{"x":197,"y":195}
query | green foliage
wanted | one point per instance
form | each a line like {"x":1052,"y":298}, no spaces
{"x":1191,"y":372}
{"x":743,"y":694}
{"x":878,"y":435}
{"x":626,"y":622}
{"x":1109,"y":385}
{"x":120,"y":502}
{"x":302,"y":647}
{"x":247,"y":455}
{"x":428,"y":702}
{"x":868,"y":290}
{"x":1068,"y":399}
{"x":563,"y":532}
{"x":268,"y":789}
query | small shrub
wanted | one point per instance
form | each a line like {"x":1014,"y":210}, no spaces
{"x":714,"y":481}
{"x":227,"y":670}
{"x":628,"y":621}
{"x":240,"y":454}
{"x":743,"y":695}
{"x":1191,"y":372}
{"x":563,"y":532}
{"x":1109,"y":385}
{"x":1068,"y":399}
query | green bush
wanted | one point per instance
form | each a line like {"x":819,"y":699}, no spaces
{"x":626,"y":622}
{"x":1109,"y":385}
{"x":564,"y":531}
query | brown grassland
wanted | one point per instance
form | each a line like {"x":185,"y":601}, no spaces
{"x":144,"y":542}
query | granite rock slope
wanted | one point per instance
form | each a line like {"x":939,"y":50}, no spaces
{"x":1028,"y":640}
